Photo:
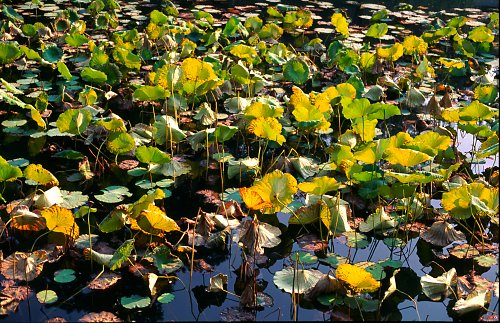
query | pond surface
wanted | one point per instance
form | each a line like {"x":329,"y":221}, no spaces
{"x":192,"y":302}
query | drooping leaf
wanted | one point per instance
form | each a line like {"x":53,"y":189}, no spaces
{"x":59,"y":219}
{"x":439,"y":287}
{"x":151,"y":155}
{"x":277,"y":188}
{"x":121,"y":254}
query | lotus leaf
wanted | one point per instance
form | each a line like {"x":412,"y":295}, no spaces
{"x":24,"y":266}
{"x":258,"y":235}
{"x":356,"y":278}
{"x":9,"y":173}
{"x":113,"y":194}
{"x":166,"y":298}
{"x":377,"y":30}
{"x":40,"y":175}
{"x":59,"y":219}
{"x":126,"y":58}
{"x":253,"y":200}
{"x":334,"y":260}
{"x":64,"y":276}
{"x":340,"y":23}
{"x":154,"y":221}
{"x":296,"y":281}
{"x":249,"y":54}
{"x":74,"y":121}
{"x":414,"y":45}
{"x":390,"y":53}
{"x":135,"y":301}
{"x":471,"y":199}
{"x":277,"y":188}
{"x":296,"y":71}
{"x":267,"y":128}
{"x":166,"y":129}
{"x":24,"y":219}
{"x":319,"y":185}
{"x":430,"y":142}
{"x":121,"y":254}
{"x":73,"y":199}
{"x":379,"y":220}
{"x":151,"y":155}
{"x":486,"y":93}
{"x":47,"y":296}
{"x":481,"y":34}
{"x":120,"y":143}
{"x":406,"y":157}
{"x":217,"y":283}
{"x":439,"y":287}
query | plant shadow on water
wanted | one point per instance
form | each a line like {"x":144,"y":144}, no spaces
{"x":237,"y":119}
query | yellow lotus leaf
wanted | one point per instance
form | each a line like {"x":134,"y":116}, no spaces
{"x":278,"y":189}
{"x":309,"y":116}
{"x":356,"y":278}
{"x":267,"y":128}
{"x":340,"y":23}
{"x":252,"y":199}
{"x":24,"y":266}
{"x":414,"y":45}
{"x":24,"y":219}
{"x":319,"y":185}
{"x":391,"y":53}
{"x":431,"y":142}
{"x":258,"y":109}
{"x":195,"y":73}
{"x":400,"y":139}
{"x":366,"y":129}
{"x":406,"y":157}
{"x":37,"y":173}
{"x":59,"y":219}
{"x":154,"y":221}
{"x":471,"y":199}
{"x":298,"y":97}
{"x":451,"y":63}
{"x":323,"y":99}
{"x":347,"y":93}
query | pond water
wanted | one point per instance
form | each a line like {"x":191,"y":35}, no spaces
{"x":193,"y":303}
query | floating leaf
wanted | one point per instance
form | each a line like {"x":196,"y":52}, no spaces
{"x":113,"y":194}
{"x":303,"y":257}
{"x":135,"y":301}
{"x":379,"y":220}
{"x":334,"y":260}
{"x":297,"y":281}
{"x":64,"y":276}
{"x":52,"y":54}
{"x":165,"y":298}
{"x":153,"y":220}
{"x":165,"y":262}
{"x":47,"y":296}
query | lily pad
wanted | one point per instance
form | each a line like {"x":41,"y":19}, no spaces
{"x":135,"y":301}
{"x":298,"y":281}
{"x":64,"y":276}
{"x":47,"y":296}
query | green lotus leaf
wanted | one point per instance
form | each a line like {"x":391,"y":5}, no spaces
{"x":88,"y":96}
{"x":296,"y":71}
{"x":173,"y":169}
{"x":84,"y":211}
{"x":151,"y":155}
{"x":12,"y":14}
{"x":166,"y":129}
{"x":114,"y":221}
{"x":365,"y":128}
{"x":64,"y":71}
{"x":93,"y":76}
{"x":113,"y":124}
{"x":488,"y":147}
{"x":334,"y":260}
{"x":356,"y":239}
{"x":236,"y":104}
{"x":127,"y":58}
{"x":158,"y":17}
{"x":240,"y":73}
{"x":362,"y":304}
{"x":303,"y":257}
{"x":374,"y":93}
{"x":477,"y":111}
{"x":373,"y":268}
{"x":113,"y":194}
{"x":234,"y":26}
{"x":379,"y":220}
{"x":100,"y":258}
{"x":487,"y":261}
{"x":166,"y":298}
{"x":121,"y":254}
{"x":481,"y":34}
{"x":52,"y":54}
{"x":377,"y":30}
{"x":357,"y":109}
{"x":76,"y":40}
{"x":10,"y":87}
{"x":9,"y":52}
{"x":247,"y":53}
{"x":306,"y":214}
{"x":74,"y":121}
{"x":242,"y":167}
{"x":271,"y":30}
{"x":64,"y":276}
{"x":165,"y":262}
{"x":135,"y":301}
{"x":120,"y":143}
{"x":439,"y":287}
{"x":486,"y":93}
{"x":73,"y":199}
{"x":112,"y":72}
{"x":47,"y":296}
{"x":296,"y":280}
{"x":9,"y":173}
{"x":150,"y":93}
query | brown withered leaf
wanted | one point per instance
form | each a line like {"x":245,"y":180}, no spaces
{"x":100,"y":317}
{"x":312,"y":242}
{"x":24,"y":265}
{"x":231,"y":208}
{"x":104,"y":281}
{"x":128,"y":164}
